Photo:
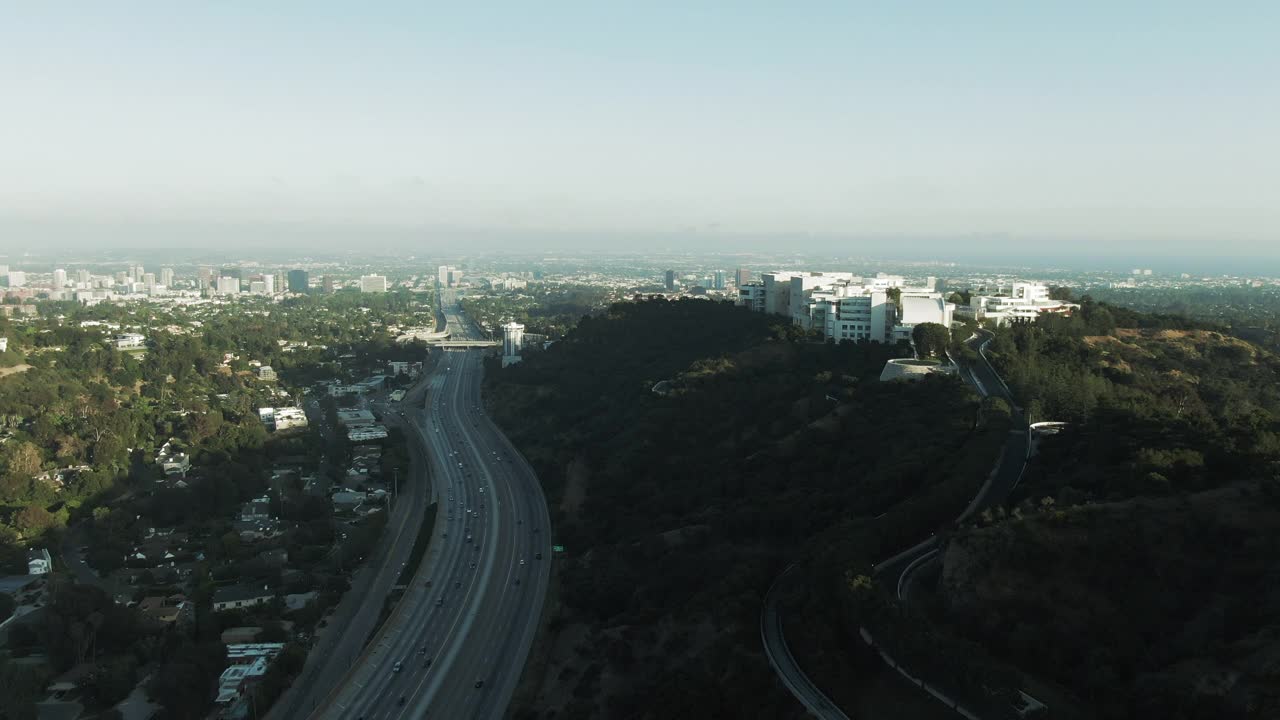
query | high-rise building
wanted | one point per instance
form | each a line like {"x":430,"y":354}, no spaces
{"x":328,"y":285}
{"x":512,"y":343}
{"x":228,"y":285}
{"x":671,"y":280}
{"x":373,"y":283}
{"x":719,"y":280}
{"x":742,"y":277}
{"x":83,"y":277}
{"x":205,"y":278}
{"x":166,"y":277}
{"x":455,"y":276}
{"x":59,"y":279}
{"x":149,"y":282}
{"x":17,"y":278}
{"x":268,"y":284}
{"x":442,"y":275}
{"x":257,"y":287}
{"x":298,"y":281}
{"x":135,"y":273}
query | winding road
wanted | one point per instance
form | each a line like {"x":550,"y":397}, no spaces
{"x":899,"y":568}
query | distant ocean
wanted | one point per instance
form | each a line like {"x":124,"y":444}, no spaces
{"x":1196,"y":266}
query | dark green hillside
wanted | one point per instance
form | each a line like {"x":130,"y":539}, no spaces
{"x":1135,"y":570}
{"x":678,"y":507}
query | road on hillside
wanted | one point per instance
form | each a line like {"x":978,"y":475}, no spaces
{"x":897,"y":569}
{"x":456,"y":644}
{"x":784,"y":663}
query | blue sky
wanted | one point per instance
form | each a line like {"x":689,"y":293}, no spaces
{"x":1149,"y":124}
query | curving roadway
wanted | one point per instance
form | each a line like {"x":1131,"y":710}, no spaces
{"x":465,"y":625}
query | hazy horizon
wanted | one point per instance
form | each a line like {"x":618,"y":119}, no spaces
{"x":1083,"y":129}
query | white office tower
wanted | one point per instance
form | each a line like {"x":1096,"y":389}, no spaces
{"x":512,"y":343}
{"x":228,"y":285}
{"x":442,"y":274}
{"x":257,"y":287}
{"x":135,"y":273}
{"x":269,"y":284}
{"x":373,"y":283}
{"x":149,"y":282}
{"x":17,"y":278}
{"x":166,"y":277}
{"x":59,"y":279}
{"x":83,"y":278}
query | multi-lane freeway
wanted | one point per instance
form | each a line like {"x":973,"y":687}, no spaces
{"x":457,"y":641}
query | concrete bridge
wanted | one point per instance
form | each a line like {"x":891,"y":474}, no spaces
{"x":463,"y":343}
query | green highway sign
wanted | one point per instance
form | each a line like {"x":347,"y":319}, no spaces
{"x":557,"y":548}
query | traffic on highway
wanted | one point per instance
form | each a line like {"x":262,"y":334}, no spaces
{"x":456,"y":644}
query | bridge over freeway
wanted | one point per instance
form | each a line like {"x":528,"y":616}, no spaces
{"x":463,"y":343}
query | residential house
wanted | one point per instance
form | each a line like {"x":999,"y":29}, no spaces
{"x":39,"y":562}
{"x":172,"y":460}
{"x":241,"y":596}
{"x":348,"y":501}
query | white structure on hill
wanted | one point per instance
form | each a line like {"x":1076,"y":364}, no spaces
{"x":512,"y":343}
{"x":1024,"y":303}
{"x":846,"y":307}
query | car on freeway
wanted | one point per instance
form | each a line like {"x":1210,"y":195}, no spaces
{"x":397,"y":667}
{"x":480,"y":683}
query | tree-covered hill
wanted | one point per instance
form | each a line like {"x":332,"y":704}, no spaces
{"x":1133,"y":573}
{"x":678,"y":504}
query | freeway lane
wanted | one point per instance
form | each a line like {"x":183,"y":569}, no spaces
{"x":470,"y":624}
{"x":351,"y":624}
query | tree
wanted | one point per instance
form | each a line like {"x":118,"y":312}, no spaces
{"x":23,"y":460}
{"x":34,"y":519}
{"x":7,"y":606}
{"x":930,"y":339}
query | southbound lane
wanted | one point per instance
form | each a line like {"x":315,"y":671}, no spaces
{"x":469,"y":616}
